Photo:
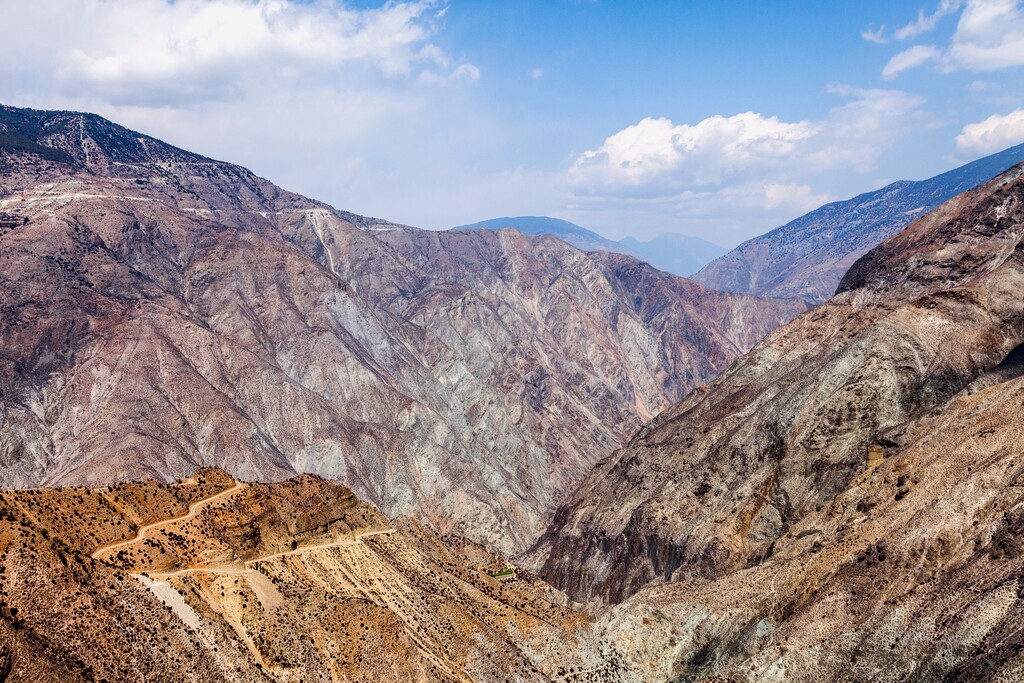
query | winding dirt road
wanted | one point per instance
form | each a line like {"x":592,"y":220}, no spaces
{"x":244,"y":568}
{"x":193,"y":510}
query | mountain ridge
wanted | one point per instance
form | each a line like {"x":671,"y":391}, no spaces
{"x":674,"y":253}
{"x":841,"y":501}
{"x":807,"y":257}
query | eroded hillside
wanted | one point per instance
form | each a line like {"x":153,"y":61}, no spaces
{"x":844,"y":502}
{"x":161,"y":311}
{"x":213,"y":579}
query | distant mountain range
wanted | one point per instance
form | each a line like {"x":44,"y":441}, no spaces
{"x":671,"y":252}
{"x":808,"y":256}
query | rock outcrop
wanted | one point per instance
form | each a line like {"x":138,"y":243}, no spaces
{"x":844,"y":502}
{"x":161,"y":311}
{"x":807,"y":257}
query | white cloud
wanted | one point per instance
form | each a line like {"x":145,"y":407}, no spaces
{"x":536,"y":73}
{"x":989,"y":36}
{"x":927,"y":22}
{"x":800,"y":198}
{"x":910,"y":58}
{"x":855,"y":135}
{"x":740,"y":173}
{"x":358,"y":107}
{"x":164,"y":53}
{"x":872,"y":36}
{"x":991,"y":135}
{"x":982,"y":86}
{"x":656,"y":155}
{"x":464,"y":73}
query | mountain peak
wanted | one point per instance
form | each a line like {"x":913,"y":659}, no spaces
{"x":83,"y":140}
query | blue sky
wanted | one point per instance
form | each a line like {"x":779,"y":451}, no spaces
{"x":716,"y":119}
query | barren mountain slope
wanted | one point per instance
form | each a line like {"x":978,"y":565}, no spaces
{"x":807,"y":257}
{"x":211,"y":579}
{"x":849,"y":436}
{"x":914,"y":573}
{"x":160,"y":311}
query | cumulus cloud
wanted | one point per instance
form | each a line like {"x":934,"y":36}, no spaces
{"x":164,"y":53}
{"x":989,"y":36}
{"x":656,"y":156}
{"x":991,"y":135}
{"x":758,"y":170}
{"x":909,"y":59}
{"x":358,"y":106}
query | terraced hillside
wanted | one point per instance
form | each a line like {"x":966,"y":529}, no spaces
{"x":213,"y":579}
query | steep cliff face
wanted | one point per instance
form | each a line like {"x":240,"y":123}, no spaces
{"x":912,"y":573}
{"x":807,"y":257}
{"x":160,"y":311}
{"x":212,"y":579}
{"x":793,"y":450}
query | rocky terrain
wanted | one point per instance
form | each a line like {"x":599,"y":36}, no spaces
{"x":807,"y":257}
{"x":213,"y":579}
{"x":845,"y":502}
{"x":161,"y":311}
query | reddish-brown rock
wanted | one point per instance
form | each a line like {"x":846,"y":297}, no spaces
{"x":212,"y":579}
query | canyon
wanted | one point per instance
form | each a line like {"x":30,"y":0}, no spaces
{"x":247,"y":436}
{"x":844,"y":502}
{"x":161,"y":311}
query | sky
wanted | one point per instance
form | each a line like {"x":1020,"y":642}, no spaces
{"x":720,"y":120}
